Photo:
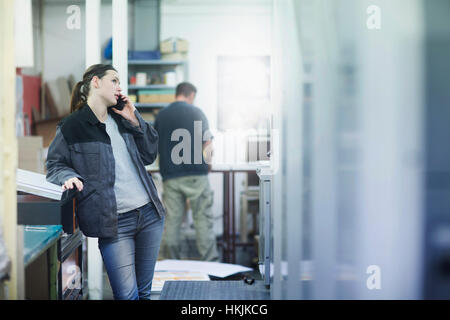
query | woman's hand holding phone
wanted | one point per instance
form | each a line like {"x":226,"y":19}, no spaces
{"x":70,"y":183}
{"x":128,"y":111}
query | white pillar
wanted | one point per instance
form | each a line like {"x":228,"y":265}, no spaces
{"x":390,"y":221}
{"x":13,"y":235}
{"x":120,"y":41}
{"x":24,"y":34}
{"x":287,"y":200}
{"x":93,"y":49}
{"x":92,"y":56}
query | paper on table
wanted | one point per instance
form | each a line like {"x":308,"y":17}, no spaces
{"x":216,"y":269}
{"x":36,"y":183}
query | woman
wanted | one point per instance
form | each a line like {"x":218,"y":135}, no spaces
{"x":102,"y":152}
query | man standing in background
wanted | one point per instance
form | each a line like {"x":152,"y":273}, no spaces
{"x":184,"y":138}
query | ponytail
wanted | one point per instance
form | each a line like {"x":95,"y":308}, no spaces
{"x":78,"y":98}
{"x":80,"y":91}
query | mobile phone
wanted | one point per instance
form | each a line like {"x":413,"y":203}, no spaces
{"x":120,"y":103}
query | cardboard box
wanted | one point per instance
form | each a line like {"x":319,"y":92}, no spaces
{"x":167,"y":98}
{"x":57,"y":95}
{"x":46,"y":129}
{"x":173,"y":45}
{"x":148,"y":98}
{"x":177,"y":56}
{"x":31,"y":153}
{"x":133,"y":98}
{"x":156,"y":98}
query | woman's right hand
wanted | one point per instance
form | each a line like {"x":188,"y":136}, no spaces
{"x":71,"y":182}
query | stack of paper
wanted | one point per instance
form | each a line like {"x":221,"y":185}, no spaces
{"x":216,"y":269}
{"x":36,"y":183}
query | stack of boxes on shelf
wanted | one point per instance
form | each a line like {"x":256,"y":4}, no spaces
{"x":31,"y":154}
{"x":174,"y":49}
{"x":156,"y":96}
{"x":152,"y":81}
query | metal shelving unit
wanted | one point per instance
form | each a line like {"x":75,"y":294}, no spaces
{"x":156,"y":62}
{"x":150,"y":105}
{"x":154,"y":65}
{"x":153,"y":62}
{"x":149,"y":87}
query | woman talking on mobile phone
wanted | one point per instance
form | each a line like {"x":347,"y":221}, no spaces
{"x":101,"y":149}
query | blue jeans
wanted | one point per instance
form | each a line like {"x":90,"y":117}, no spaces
{"x":130,"y":257}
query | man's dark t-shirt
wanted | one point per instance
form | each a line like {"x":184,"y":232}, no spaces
{"x":186,"y":125}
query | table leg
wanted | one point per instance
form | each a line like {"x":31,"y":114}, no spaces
{"x":232,"y":218}
{"x":226,"y":214}
{"x":52,"y":262}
